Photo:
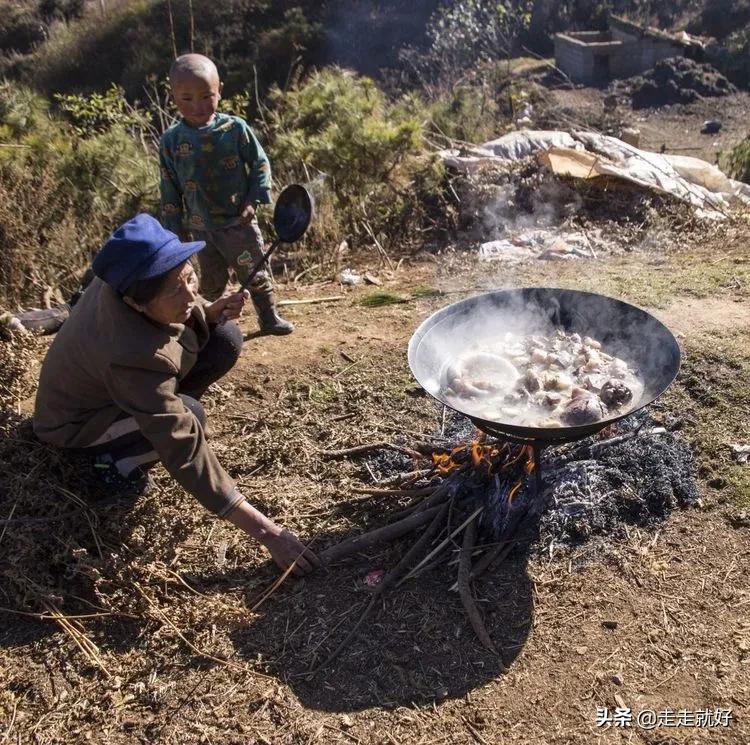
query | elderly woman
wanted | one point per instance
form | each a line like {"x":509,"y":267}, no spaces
{"x":124,"y":376}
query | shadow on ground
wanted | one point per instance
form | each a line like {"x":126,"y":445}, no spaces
{"x":419,"y":647}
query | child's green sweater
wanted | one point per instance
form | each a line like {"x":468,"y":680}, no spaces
{"x":209,"y":174}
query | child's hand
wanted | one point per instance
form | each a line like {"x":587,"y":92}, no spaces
{"x":227,"y":308}
{"x":247,"y":215}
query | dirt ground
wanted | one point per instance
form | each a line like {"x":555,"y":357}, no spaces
{"x":655,"y":622}
{"x":189,"y":647}
{"x":677,"y":128}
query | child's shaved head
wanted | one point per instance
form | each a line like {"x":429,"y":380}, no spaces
{"x":196,"y":88}
{"x":194,"y":66}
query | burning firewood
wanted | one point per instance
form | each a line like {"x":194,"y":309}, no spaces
{"x":471,"y":490}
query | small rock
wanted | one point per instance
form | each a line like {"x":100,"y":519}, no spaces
{"x":711,"y":127}
{"x":617,"y":680}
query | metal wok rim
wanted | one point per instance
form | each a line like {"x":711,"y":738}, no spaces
{"x":531,"y":434}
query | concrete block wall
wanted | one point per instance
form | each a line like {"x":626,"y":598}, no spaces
{"x":575,"y":55}
{"x":572,"y":59}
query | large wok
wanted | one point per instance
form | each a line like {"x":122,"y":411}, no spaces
{"x":624,"y":331}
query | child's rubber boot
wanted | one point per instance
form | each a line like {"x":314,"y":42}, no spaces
{"x":269,"y":320}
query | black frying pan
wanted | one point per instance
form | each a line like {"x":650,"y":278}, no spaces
{"x":292,"y":216}
{"x":624,"y":331}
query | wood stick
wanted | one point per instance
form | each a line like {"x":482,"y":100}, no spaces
{"x":464,"y":589}
{"x":500,"y":552}
{"x":511,"y":536}
{"x":391,"y":578}
{"x":442,"y":492}
{"x":87,"y":647}
{"x":31,"y":520}
{"x":439,"y":495}
{"x":367,"y":448}
{"x":379,"y":535}
{"x":469,"y":521}
{"x":48,"y":617}
{"x":311,"y":301}
{"x":406,"y":476}
{"x":376,"y":492}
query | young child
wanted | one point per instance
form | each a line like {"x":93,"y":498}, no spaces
{"x":214,"y":174}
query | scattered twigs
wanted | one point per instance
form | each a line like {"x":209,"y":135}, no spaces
{"x":378,"y":244}
{"x":190,"y":645}
{"x":464,"y":589}
{"x":76,"y":633}
{"x":379,"y":535}
{"x":376,"y":492}
{"x":389,"y":580}
{"x":313,"y":300}
{"x":369,"y":447}
{"x":469,"y":520}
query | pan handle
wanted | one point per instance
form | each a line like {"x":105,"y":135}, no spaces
{"x":259,"y":264}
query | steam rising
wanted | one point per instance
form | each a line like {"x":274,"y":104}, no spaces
{"x":624,"y":331}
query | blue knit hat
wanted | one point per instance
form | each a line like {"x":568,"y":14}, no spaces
{"x":141,"y":249}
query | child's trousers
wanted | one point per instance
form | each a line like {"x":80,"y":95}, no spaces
{"x":236,"y":247}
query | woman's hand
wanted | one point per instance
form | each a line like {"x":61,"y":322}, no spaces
{"x":227,"y":308}
{"x":247,"y":215}
{"x":284,"y":546}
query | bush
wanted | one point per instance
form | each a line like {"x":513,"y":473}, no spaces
{"x":737,"y":163}
{"x":371,"y":152}
{"x":21,"y":28}
{"x":61,"y":194}
{"x":134,"y":40}
{"x":21,"y":110}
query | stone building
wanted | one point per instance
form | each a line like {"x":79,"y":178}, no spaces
{"x":626,"y":49}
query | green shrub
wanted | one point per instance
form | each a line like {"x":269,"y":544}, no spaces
{"x":372,"y":152}
{"x":61,"y":193}
{"x":737,"y":163}
{"x":21,"y":110}
{"x":99,"y":112}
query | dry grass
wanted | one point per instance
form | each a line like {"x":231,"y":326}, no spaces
{"x":142,"y":621}
{"x":42,"y":244}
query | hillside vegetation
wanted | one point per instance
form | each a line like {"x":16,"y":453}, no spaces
{"x":351,"y":97}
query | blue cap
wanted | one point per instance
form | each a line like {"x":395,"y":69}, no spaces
{"x":140,"y":249}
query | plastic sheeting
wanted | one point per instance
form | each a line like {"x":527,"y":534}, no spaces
{"x":588,"y":155}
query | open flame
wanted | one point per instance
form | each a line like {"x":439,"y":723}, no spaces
{"x":496,"y":457}
{"x":492,"y":457}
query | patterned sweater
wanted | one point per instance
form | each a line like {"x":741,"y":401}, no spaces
{"x":209,"y":174}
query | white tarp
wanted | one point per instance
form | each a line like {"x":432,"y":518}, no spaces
{"x":591,"y":155}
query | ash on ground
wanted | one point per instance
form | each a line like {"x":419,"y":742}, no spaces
{"x":633,"y":473}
